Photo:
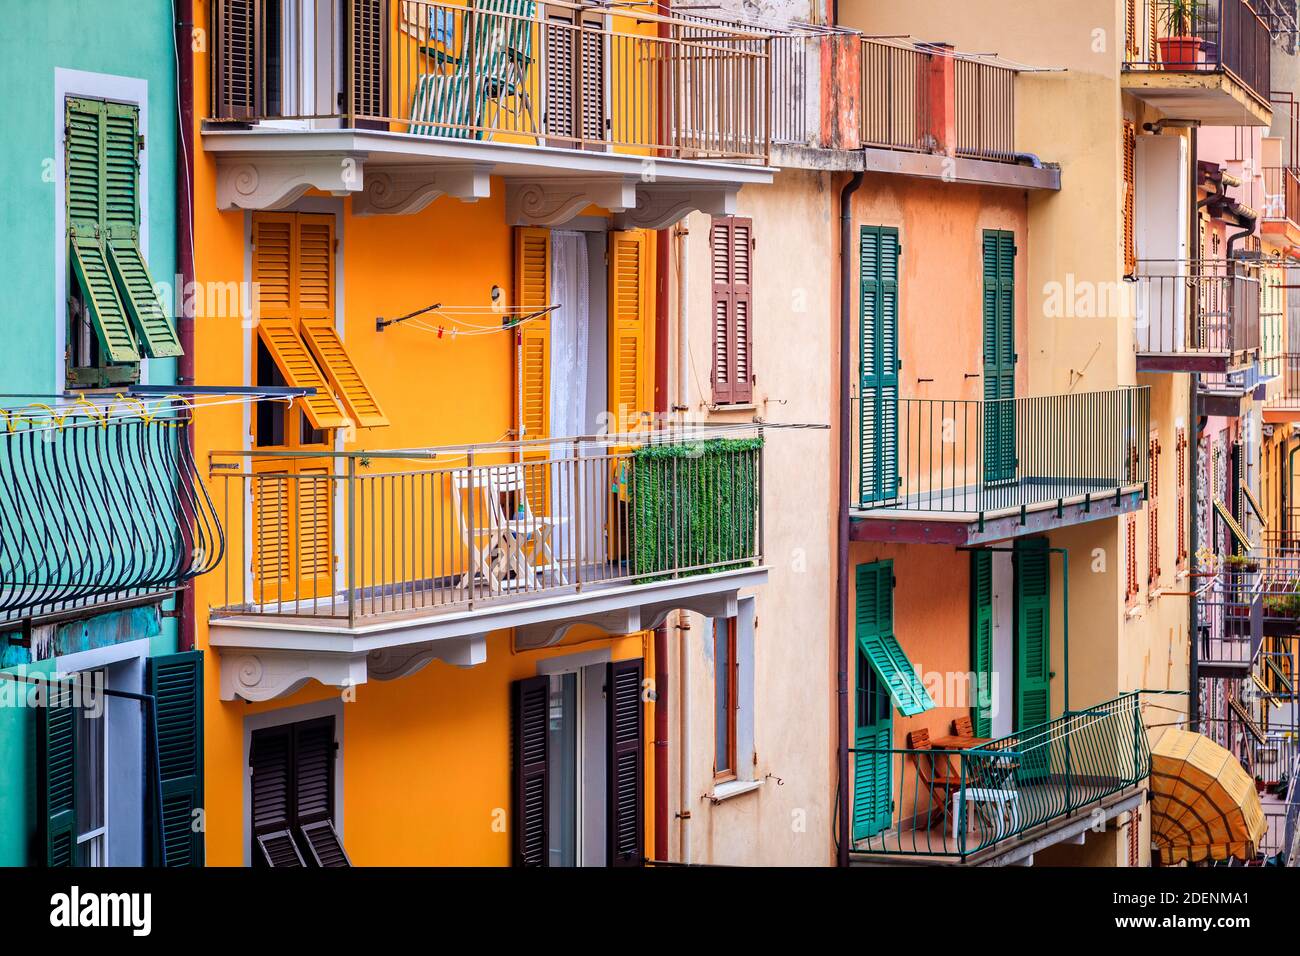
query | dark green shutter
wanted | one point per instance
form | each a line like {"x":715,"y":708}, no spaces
{"x":176,"y":683}
{"x":87,"y":174}
{"x":625,"y":745}
{"x":1033,"y":648}
{"x":999,"y":349}
{"x":529,"y":819}
{"x":873,"y":760}
{"x":878,"y":363}
{"x":981,"y":640}
{"x":56,"y":770}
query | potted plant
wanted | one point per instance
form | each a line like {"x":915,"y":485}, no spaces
{"x":1240,"y":563}
{"x":1179,"y":48}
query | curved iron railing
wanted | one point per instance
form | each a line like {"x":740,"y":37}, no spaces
{"x":95,"y":507}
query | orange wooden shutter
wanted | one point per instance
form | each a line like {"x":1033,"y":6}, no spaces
{"x":533,"y":400}
{"x":342,"y":374}
{"x":314,"y":529}
{"x":300,"y":371}
{"x":314,"y":255}
{"x":1130,"y":187}
{"x":274,"y":264}
{"x":273,"y":523}
{"x":630,"y":331}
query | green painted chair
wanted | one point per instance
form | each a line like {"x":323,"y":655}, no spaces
{"x":501,"y":47}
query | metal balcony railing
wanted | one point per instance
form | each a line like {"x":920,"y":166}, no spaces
{"x":509,"y":71}
{"x":1008,"y":787}
{"x":98,"y":505}
{"x":1200,"y":36}
{"x":1196,"y":315}
{"x":1281,"y":195}
{"x":1284,"y":394}
{"x":983,"y":457}
{"x":361,"y":535}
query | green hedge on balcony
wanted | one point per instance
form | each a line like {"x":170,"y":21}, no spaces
{"x":694,"y":505}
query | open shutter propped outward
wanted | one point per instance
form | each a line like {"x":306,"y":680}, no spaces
{"x":271,"y":772}
{"x":176,"y":681}
{"x":56,"y":775}
{"x":874,"y":621}
{"x":529,"y":715}
{"x":625,"y":740}
{"x":295,"y":363}
{"x":292,"y":769}
{"x":314,"y":753}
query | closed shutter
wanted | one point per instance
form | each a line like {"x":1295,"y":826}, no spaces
{"x":981,"y":637}
{"x":873,"y":741}
{"x":731,"y":247}
{"x":368,"y":27}
{"x":591,"y":84}
{"x":1180,"y":453}
{"x":274,"y":264}
{"x":1153,"y":517}
{"x":314,"y":529}
{"x":631,"y":332}
{"x":122,"y":233}
{"x":573,"y":56}
{"x":314,"y":752}
{"x":1130,"y":190}
{"x":999,"y":356}
{"x":1033,"y":647}
{"x":56,"y":775}
{"x":270,"y":761}
{"x":176,"y":682}
{"x":558,"y":93}
{"x":529,"y":819}
{"x":625,"y":739}
{"x":533,"y":402}
{"x":878,"y":254}
{"x":1130,"y":560}
{"x":237,"y":66}
{"x":86,"y":174}
{"x":273,"y":531}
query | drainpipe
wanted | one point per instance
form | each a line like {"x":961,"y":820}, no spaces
{"x":842,"y":519}
{"x":184,"y":30}
{"x":684,"y":737}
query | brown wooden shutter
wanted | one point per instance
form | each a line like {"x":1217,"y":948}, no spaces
{"x":368,"y":27}
{"x":1180,"y":453}
{"x":269,"y":759}
{"x":237,"y":59}
{"x":1130,"y":561}
{"x":529,"y":704}
{"x":625,"y":739}
{"x":573,"y":58}
{"x":1130,"y":187}
{"x":314,"y":755}
{"x":1153,"y":517}
{"x":731,"y":242}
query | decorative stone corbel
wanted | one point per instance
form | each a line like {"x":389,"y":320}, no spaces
{"x":404,"y":189}
{"x":266,"y":674}
{"x":273,"y":182}
{"x":553,"y":202}
{"x":659,"y":206}
{"x":391,"y":663}
{"x":708,"y":605}
{"x":547,"y":634}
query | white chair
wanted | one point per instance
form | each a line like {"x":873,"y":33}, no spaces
{"x":508,"y":552}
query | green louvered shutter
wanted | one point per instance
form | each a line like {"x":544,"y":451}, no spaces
{"x":874,"y":623}
{"x":87,"y":173}
{"x":1033,"y":650}
{"x":981,"y":639}
{"x":878,"y":363}
{"x":873,"y":740}
{"x":176,"y":681}
{"x":56,"y":770}
{"x":122,"y":222}
{"x":999,"y":349}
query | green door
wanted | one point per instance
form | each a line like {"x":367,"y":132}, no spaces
{"x":999,"y":356}
{"x":1033,"y":652}
{"x":873,"y":722}
{"x":981,"y":641}
{"x":878,"y":364}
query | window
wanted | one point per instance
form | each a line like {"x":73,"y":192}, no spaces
{"x":292,"y":786}
{"x":725,"y":680}
{"x":731,"y":243}
{"x":1130,"y":561}
{"x":114,"y":316}
{"x":1153,"y":518}
{"x":1180,"y":453}
{"x":89,"y":726}
{"x":1130,"y":187}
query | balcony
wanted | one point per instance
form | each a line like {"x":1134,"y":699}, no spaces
{"x":1210,"y":63}
{"x":363,"y":565}
{"x":1280,"y":212}
{"x":572,"y":105}
{"x":1196,"y":316}
{"x":926,"y":110}
{"x":100,"y":507}
{"x":1009,"y":797}
{"x":1282,"y":401}
{"x":965,"y":472}
{"x":1230,"y":608}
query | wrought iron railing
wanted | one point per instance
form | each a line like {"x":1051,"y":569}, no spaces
{"x":363,"y":534}
{"x":1201,"y":36}
{"x":1230,"y":620}
{"x":958,"y":803}
{"x":1187,"y":309}
{"x":511,"y":71}
{"x":984,"y":457}
{"x":98,"y":503}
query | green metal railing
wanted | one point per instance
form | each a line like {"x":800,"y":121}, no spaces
{"x":958,"y":803}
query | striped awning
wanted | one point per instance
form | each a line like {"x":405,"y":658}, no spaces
{"x":1204,"y":804}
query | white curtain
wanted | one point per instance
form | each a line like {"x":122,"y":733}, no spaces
{"x":569,"y":369}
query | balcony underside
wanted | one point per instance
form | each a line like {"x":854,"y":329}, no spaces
{"x":941,"y":848}
{"x":263,"y":657}
{"x":1213,"y":98}
{"x":400,"y":173}
{"x":971,"y":515}
{"x":981,"y":172}
{"x":1205,"y":362}
{"x":1282,"y":413}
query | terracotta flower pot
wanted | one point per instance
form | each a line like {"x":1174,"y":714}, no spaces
{"x":1181,"y":53}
